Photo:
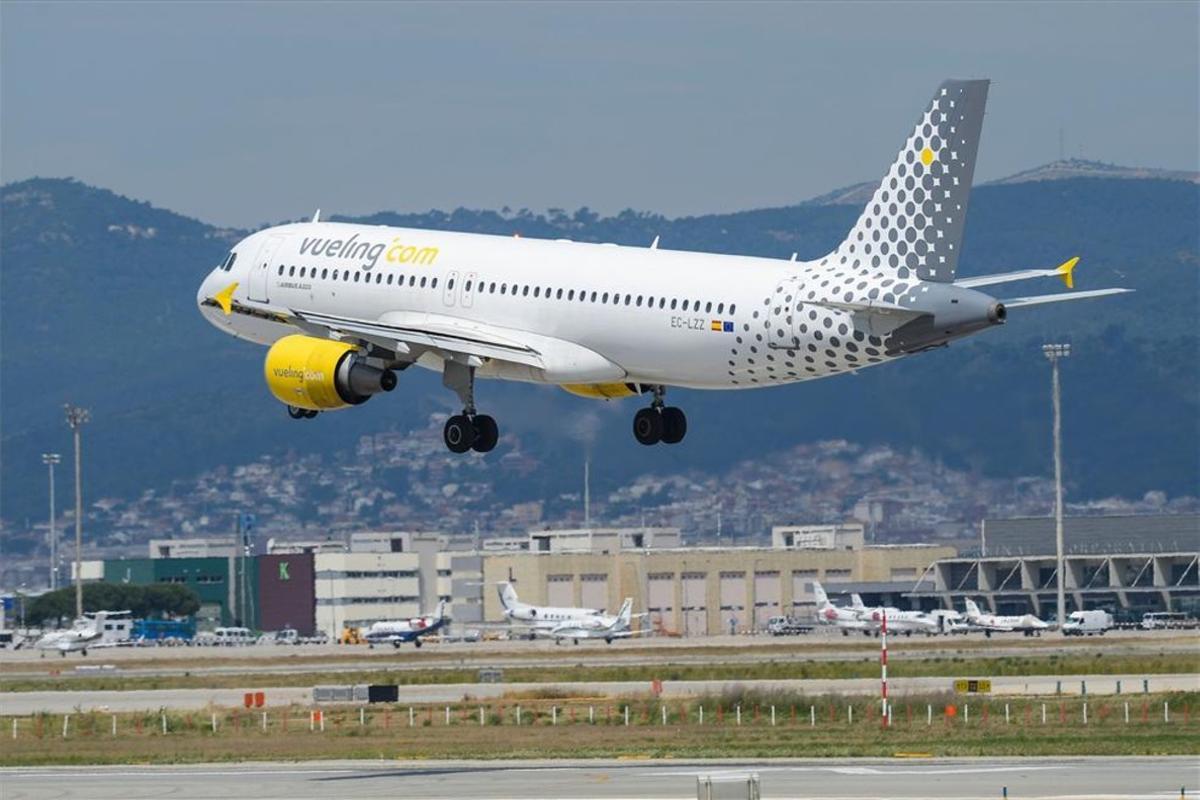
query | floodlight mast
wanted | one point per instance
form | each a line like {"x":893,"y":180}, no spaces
{"x":76,"y":418}
{"x":1053,"y":353}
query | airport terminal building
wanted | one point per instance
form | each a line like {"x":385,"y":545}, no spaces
{"x":1127,"y":565}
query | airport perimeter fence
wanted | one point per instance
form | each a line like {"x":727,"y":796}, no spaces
{"x":939,"y":715}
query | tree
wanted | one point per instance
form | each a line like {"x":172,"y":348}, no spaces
{"x":155,"y":600}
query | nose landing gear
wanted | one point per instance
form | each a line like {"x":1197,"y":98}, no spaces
{"x":659,"y":422}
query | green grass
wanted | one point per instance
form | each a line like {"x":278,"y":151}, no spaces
{"x":978,"y":728}
{"x":899,"y":666}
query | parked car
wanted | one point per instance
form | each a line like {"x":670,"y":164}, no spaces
{"x":787,"y":626}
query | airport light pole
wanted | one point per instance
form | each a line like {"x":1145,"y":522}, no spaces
{"x":76,"y":418}
{"x":50,"y":460}
{"x":1053,"y":353}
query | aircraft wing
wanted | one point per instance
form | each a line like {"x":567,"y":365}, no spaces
{"x":405,"y":331}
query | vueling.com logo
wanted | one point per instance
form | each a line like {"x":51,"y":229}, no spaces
{"x":368,"y":253}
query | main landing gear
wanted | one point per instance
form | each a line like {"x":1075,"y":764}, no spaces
{"x":659,"y":423}
{"x":301,"y":413}
{"x":468,"y":430}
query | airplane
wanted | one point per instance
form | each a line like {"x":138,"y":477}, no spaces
{"x":600,"y":626}
{"x":898,"y":621}
{"x":397,"y":632}
{"x":845,"y":619}
{"x":1027,"y":624}
{"x":541,"y":619}
{"x":343,"y":308}
{"x":86,"y":633}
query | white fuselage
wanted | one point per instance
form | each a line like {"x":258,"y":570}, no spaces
{"x":596,"y":313}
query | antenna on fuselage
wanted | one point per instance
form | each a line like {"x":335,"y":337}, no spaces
{"x":654,"y":244}
{"x":317,"y":216}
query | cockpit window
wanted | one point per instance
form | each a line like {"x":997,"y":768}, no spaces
{"x":227,"y":264}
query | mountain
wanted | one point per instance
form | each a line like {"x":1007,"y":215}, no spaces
{"x":99,"y":309}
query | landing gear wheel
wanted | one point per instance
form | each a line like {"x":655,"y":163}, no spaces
{"x":648,"y":426}
{"x":674,"y":425}
{"x":459,"y":433}
{"x":417,"y":642}
{"x":487,"y":433}
{"x":297,"y":413}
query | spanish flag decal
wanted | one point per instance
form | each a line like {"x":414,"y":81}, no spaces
{"x":717,"y":326}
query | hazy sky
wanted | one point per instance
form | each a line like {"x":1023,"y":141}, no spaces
{"x":247,"y":113}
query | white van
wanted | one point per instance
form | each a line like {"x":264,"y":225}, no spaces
{"x":1087,"y":623}
{"x":233,"y":636}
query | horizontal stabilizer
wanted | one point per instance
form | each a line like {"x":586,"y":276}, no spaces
{"x":1043,"y":299}
{"x":1065,"y":271}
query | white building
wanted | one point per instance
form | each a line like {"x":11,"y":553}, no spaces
{"x":837,"y":536}
{"x":602,"y":540}
{"x":192,"y":548}
{"x":356,"y":589}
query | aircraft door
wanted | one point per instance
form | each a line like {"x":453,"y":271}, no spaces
{"x":451,"y":289}
{"x":256,"y":288}
{"x":470,"y":281}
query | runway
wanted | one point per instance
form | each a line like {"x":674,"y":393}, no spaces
{"x":841,"y":779}
{"x":61,"y":702}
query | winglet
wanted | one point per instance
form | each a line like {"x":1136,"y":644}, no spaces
{"x":224,"y":298}
{"x":1065,"y":271}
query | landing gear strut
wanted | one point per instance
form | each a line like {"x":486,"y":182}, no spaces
{"x":468,"y":430}
{"x":659,"y":422}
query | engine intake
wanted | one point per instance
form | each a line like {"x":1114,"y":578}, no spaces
{"x":322,"y":374}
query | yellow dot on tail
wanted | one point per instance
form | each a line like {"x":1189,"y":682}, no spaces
{"x":926,"y":156}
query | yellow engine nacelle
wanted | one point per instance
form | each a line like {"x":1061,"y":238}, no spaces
{"x":602,"y":391}
{"x":321,"y":374}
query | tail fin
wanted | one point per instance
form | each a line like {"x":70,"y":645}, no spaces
{"x":819,"y":594}
{"x":913,"y":225}
{"x":972,"y":609}
{"x":440,"y":613}
{"x":856,"y":601}
{"x":625,"y":615}
{"x":508,"y":596}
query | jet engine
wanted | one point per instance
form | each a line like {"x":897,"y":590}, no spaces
{"x":322,"y":374}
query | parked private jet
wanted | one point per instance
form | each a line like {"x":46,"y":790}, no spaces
{"x":397,"y":632}
{"x":600,"y":626}
{"x":844,"y":618}
{"x":898,"y":621}
{"x":541,"y":620}
{"x":87,"y":633}
{"x":343,"y":308}
{"x":1027,"y":624}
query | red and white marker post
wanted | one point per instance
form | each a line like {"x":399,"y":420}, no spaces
{"x":883,"y":669}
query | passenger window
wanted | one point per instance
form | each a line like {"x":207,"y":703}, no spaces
{"x":732,"y":308}
{"x":673,"y":303}
{"x":468,"y":287}
{"x":390,"y":279}
{"x":324,"y":274}
{"x":524,"y":291}
{"x":628,"y":299}
{"x":558,"y":295}
{"x":357,"y":277}
{"x":605,"y":300}
{"x":492,"y":288}
{"x":639,"y":301}
{"x":450,"y":284}
{"x":334,"y":275}
{"x":412,"y":280}
{"x":291,"y":271}
{"x":720,"y":308}
{"x":433,"y":283}
{"x":281,"y":269}
{"x":594,"y":297}
{"x":537,"y":291}
{"x":422,"y":283}
{"x":662,"y":301}
{"x":708,"y":307}
{"x":685,"y":305}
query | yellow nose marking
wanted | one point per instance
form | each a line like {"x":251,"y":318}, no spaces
{"x":224,"y":298}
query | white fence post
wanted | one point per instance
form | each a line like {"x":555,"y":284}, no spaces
{"x":518,"y":715}
{"x":447,"y":715}
{"x":553,"y":715}
{"x":1085,"y":713}
{"x":701,"y":715}
{"x":164,"y":723}
{"x":591,"y":714}
{"x":361,"y":716}
{"x":1126,"y":712}
{"x":264,"y":720}
{"x":664,"y":715}
{"x":812,"y":716}
{"x":114,"y":724}
{"x":966,"y":713}
{"x":481,"y":723}
{"x":322,"y":713}
{"x":850,"y":714}
{"x":1166,"y":713}
{"x":412,"y":720}
{"x":14,"y":727}
{"x":312,"y":721}
{"x":739,"y":715}
{"x":1043,"y":713}
{"x":67,"y":717}
{"x":929,"y":714}
{"x":772,"y":716}
{"x":214,"y":723}
{"x":1006,"y":713}
{"x":627,"y":715}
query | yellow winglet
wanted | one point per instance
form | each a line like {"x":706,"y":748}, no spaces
{"x":224,"y":298}
{"x":1065,"y":272}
